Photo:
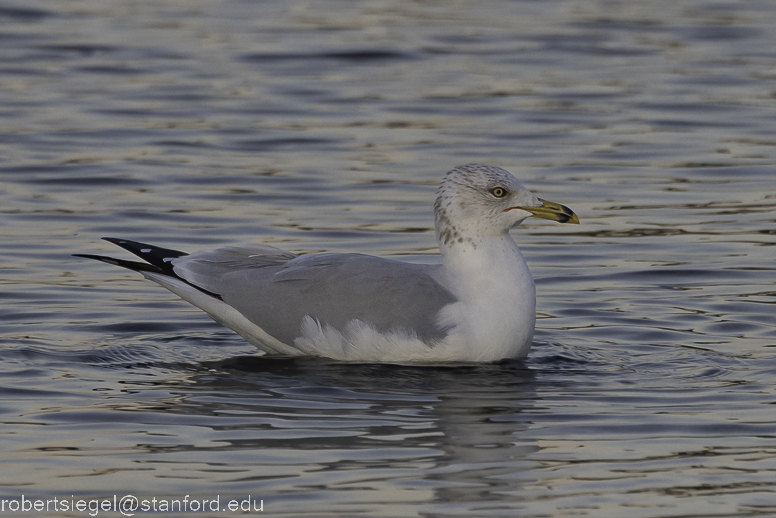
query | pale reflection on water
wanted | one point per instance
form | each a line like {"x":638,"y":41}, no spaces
{"x":326,"y":126}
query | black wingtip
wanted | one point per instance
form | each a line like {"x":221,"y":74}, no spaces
{"x":136,"y":266}
{"x":152,"y":254}
{"x":158,"y":260}
{"x":138,"y":248}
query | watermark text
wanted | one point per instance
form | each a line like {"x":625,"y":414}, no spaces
{"x":128,"y":505}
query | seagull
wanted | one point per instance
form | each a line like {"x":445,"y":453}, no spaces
{"x":478,"y":305}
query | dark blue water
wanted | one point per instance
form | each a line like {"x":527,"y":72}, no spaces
{"x":326,"y":126}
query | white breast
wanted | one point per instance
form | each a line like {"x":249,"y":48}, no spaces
{"x":495,"y":313}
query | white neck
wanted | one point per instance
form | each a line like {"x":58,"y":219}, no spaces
{"x":482,"y":262}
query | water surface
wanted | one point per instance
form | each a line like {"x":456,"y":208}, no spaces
{"x":326,"y":126}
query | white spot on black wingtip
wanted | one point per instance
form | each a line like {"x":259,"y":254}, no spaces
{"x":146,"y":250}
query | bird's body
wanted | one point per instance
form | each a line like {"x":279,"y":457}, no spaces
{"x":478,"y":305}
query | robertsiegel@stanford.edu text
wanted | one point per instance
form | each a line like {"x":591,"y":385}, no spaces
{"x":128,"y":505}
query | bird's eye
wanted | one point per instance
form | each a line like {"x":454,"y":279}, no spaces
{"x":499,"y":192}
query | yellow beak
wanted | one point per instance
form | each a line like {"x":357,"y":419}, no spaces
{"x":551,"y":211}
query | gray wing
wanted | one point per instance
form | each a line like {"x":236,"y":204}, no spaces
{"x":275,"y":289}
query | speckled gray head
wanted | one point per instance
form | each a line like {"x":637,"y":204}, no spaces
{"x":477,"y":201}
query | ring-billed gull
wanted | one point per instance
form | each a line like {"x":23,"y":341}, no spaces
{"x":479,"y":305}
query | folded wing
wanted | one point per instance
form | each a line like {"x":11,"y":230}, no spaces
{"x":275,"y":290}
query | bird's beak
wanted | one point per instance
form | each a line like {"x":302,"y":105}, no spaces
{"x":551,"y":211}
